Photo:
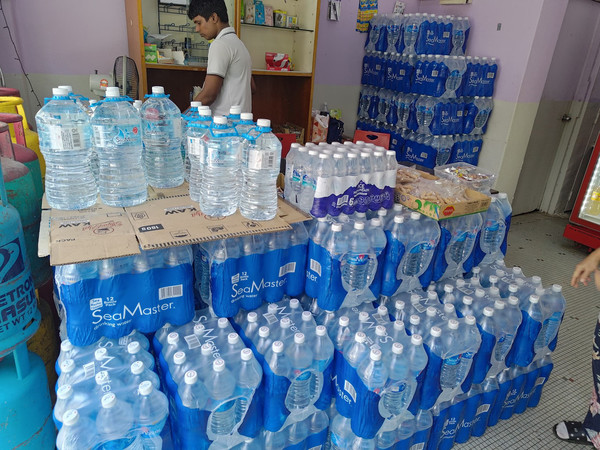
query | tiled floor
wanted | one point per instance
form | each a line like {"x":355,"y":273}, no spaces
{"x":536,"y":244}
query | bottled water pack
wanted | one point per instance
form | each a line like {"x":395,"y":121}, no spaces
{"x":211,"y":380}
{"x":108,"y":396}
{"x":331,"y":180}
{"x":296,"y":356}
{"x":243,"y":272}
{"x":112,"y":297}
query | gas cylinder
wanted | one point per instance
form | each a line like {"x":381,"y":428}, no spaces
{"x":44,"y":343}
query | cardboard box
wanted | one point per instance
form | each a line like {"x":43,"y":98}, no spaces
{"x":477,"y":202}
{"x":280,"y":18}
{"x":169,"y":218}
{"x":298,"y":131}
{"x":150,"y":53}
{"x":278,"y":61}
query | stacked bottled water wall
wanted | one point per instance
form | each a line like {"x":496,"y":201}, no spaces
{"x":419,"y":87}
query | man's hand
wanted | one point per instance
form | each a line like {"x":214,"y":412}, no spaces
{"x":210,"y":91}
{"x":583,"y":270}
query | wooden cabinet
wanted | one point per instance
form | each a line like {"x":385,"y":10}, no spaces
{"x":281,"y":96}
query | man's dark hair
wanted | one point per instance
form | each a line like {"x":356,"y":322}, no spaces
{"x":206,"y":8}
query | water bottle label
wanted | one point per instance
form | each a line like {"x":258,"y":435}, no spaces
{"x":261,"y":159}
{"x":66,"y":138}
{"x":490,"y":75}
{"x":358,"y":260}
{"x":216,"y":156}
{"x":296,"y":176}
{"x":483,"y":409}
{"x":452,"y":361}
{"x":349,"y":388}
{"x":315,"y":266}
{"x":105,"y":136}
{"x":323,"y":187}
{"x":446,"y":34}
{"x":287,"y":268}
{"x":196,"y":146}
{"x":170,"y":292}
{"x":434,"y":73}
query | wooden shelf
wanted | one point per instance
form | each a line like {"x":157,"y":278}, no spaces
{"x":175,"y":67}
{"x":281,"y":73}
{"x":277,"y":28}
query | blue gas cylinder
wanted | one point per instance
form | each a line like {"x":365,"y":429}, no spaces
{"x":26,"y":412}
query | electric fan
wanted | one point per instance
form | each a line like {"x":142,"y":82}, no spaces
{"x":126,"y":76}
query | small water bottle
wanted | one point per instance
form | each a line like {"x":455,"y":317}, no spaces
{"x":162,"y":134}
{"x":77,"y":432}
{"x":114,"y":423}
{"x":150,"y":412}
{"x":220,"y":386}
{"x":66,"y":142}
{"x":359,"y":263}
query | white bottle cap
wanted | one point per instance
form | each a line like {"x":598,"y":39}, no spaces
{"x":199,"y":328}
{"x":233,"y":338}
{"x":557,"y":288}
{"x":476,"y":270}
{"x":263,"y":123}
{"x":390,"y":153}
{"x":285,"y":322}
{"x":277,"y":347}
{"x":306,"y":316}
{"x":382,"y":310}
{"x":399,"y":304}
{"x":416,"y":339}
{"x":493,"y":279}
{"x":375,"y":354}
{"x":133,"y":347}
{"x":292,"y":145}
{"x":137,"y":367}
{"x":66,"y":87}
{"x":432,"y":295}
{"x":66,"y":346}
{"x":158,"y":90}
{"x":398,"y":219}
{"x":101,"y":377}
{"x":435,"y":331}
{"x":382,"y":212}
{"x":500,"y":273}
{"x":220,"y":120}
{"x":397,"y":348}
{"x":448,"y":288}
{"x":479,"y":293}
{"x":70,"y":417}
{"x":460,"y":283}
{"x":173,"y":338}
{"x":415,"y":298}
{"x":109,"y":400}
{"x":190,"y":377}
{"x":344,"y":321}
{"x":415,"y":215}
{"x":321,"y":330}
{"x":222,"y":322}
{"x":488,"y":312}
{"x":513,"y":288}
{"x":64,"y":392}
{"x":264,"y":332}
{"x":246,"y":354}
{"x":195,"y":104}
{"x":398,"y":207}
{"x":337,"y":227}
{"x":299,"y":338}
{"x":414,"y":319}
{"x":352,"y":155}
{"x":363,"y":316}
{"x":359,"y":226}
{"x":467,"y":300}
{"x":206,"y":349}
{"x":204,"y":111}
{"x":499,"y":304}
{"x":470,"y":320}
{"x":398,"y":325}
{"x":453,"y":324}
{"x":449,"y":308}
{"x":112,"y":92}
{"x":431,"y":311}
{"x":67,"y":366}
{"x":145,"y":388}
{"x":365,"y":155}
{"x":513,"y":300}
{"x":360,"y":337}
{"x":380,"y":330}
{"x":252,"y":317}
{"x":516,"y":270}
{"x":534,"y":298}
{"x":323,"y":156}
{"x":495,"y":291}
{"x":100,"y":354}
{"x":375,"y":222}
{"x":179,"y":358}
{"x":338,"y":156}
{"x":272,"y":308}
{"x":219,"y":365}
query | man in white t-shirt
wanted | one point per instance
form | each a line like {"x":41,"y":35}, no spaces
{"x":229,"y":72}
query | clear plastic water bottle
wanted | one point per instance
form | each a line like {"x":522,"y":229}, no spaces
{"x":458,"y":36}
{"x":192,"y":392}
{"x":260,"y":166}
{"x":196,"y":153}
{"x":492,"y":232}
{"x":162,"y":134}
{"x":373,"y":372}
{"x":359,"y":263}
{"x":425,"y":108}
{"x":114,"y":423}
{"x":412,"y":23}
{"x":150,"y":410}
{"x":67,"y":398}
{"x":219,"y":191}
{"x":400,"y":386}
{"x":77,"y":432}
{"x":264,"y":340}
{"x":290,"y":161}
{"x":341,"y":435}
{"x":65,"y":138}
{"x":140,"y":373}
{"x":235,"y":115}
{"x":457,"y":67}
{"x":301,"y":358}
{"x":248,"y":375}
{"x":423,"y":235}
{"x":220,"y":386}
{"x":553,"y":306}
{"x":450,"y":366}
{"x":484,"y":107}
{"x":118,"y":142}
{"x":135,"y":352}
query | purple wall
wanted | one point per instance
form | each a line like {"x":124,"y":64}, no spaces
{"x":71,"y":37}
{"x":522,"y":22}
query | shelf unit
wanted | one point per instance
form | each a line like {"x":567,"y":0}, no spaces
{"x":281,"y":96}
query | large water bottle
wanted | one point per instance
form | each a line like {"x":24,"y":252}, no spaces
{"x":118,"y":141}
{"x":248,"y":375}
{"x":422,"y":236}
{"x":463,"y":231}
{"x":290,"y":160}
{"x":309,"y":182}
{"x":412,"y":23}
{"x":458,"y":36}
{"x":220,"y":386}
{"x":301,"y":358}
{"x":77,"y":432}
{"x":553,"y":306}
{"x":401,"y":385}
{"x":150,"y":410}
{"x":492,"y":233}
{"x":524,"y":349}
{"x":341,"y":435}
{"x":323,"y":176}
{"x":192,"y":392}
{"x":359,"y":263}
{"x":66,"y":143}
{"x":261,"y":157}
{"x":508,"y":318}
{"x":449,"y":374}
{"x":425,"y":107}
{"x":484,"y":107}
{"x":161,"y":133}
{"x":114,"y":423}
{"x":219,"y":191}
{"x":457,"y":67}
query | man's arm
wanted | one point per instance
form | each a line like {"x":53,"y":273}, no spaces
{"x":210,"y":91}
